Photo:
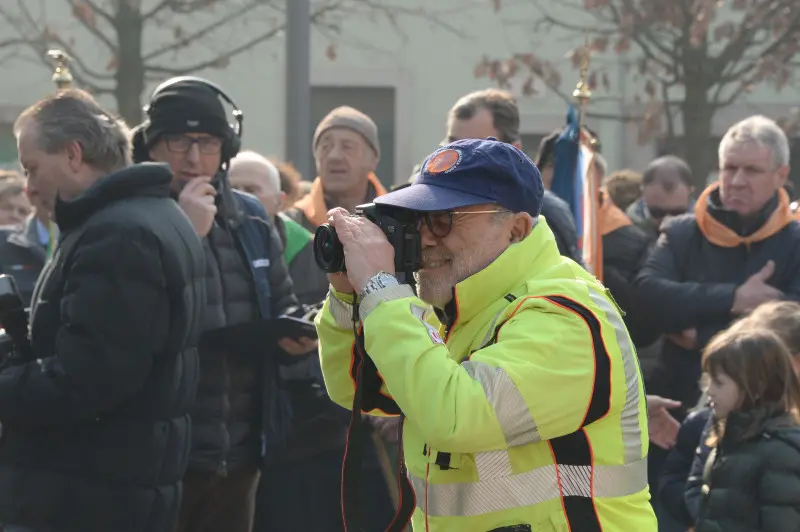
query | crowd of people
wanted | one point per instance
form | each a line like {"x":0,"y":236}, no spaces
{"x":136,"y":413}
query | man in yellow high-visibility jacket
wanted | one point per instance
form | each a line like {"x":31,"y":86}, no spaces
{"x":523,"y":400}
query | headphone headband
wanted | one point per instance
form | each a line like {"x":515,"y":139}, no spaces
{"x":237,"y":113}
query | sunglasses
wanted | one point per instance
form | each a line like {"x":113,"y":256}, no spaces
{"x":440,"y":223}
{"x":657,"y":212}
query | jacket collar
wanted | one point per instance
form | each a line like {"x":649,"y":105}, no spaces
{"x":726,"y":228}
{"x":141,"y":180}
{"x":315,"y":205}
{"x":518,"y":263}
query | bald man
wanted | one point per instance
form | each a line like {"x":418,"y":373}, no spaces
{"x":253,"y":173}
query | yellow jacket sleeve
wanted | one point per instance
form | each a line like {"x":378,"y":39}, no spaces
{"x":534,"y":383}
{"x":336,"y":349}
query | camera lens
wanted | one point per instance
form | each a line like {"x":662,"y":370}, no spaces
{"x":328,"y":250}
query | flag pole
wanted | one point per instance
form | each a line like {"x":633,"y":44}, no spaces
{"x":63,"y":79}
{"x":592,"y":243}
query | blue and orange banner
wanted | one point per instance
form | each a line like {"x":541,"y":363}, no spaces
{"x":575,"y":181}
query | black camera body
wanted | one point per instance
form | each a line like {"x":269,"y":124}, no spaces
{"x":401,"y":227}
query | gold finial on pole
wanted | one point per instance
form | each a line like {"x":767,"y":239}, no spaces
{"x":582,"y":93}
{"x":62,"y":77}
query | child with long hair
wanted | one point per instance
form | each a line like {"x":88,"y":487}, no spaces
{"x":751,"y":481}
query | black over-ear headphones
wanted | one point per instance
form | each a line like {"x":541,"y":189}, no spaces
{"x":233,"y":140}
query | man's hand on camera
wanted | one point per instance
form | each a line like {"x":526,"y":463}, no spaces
{"x":366,"y":249}
{"x":300,"y":346}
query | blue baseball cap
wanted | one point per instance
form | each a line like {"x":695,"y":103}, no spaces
{"x":472,"y":172}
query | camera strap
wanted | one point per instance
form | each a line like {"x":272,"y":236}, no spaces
{"x":367,"y":397}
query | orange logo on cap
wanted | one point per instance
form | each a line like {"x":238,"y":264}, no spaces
{"x":443,"y":161}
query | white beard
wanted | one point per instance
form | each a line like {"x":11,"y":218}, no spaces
{"x":436,"y":288}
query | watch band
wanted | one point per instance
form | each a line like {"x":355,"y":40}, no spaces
{"x":371,"y":301}
{"x":377,"y":282}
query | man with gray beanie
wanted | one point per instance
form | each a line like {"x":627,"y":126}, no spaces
{"x":239,"y":418}
{"x":347,"y":151}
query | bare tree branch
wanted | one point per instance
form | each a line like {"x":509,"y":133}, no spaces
{"x":93,"y":28}
{"x":156,"y":10}
{"x":96,"y":9}
{"x":182,"y":42}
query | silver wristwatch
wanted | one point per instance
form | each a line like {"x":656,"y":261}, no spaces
{"x":377,"y":282}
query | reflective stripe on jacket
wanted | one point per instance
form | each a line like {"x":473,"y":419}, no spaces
{"x":525,"y":410}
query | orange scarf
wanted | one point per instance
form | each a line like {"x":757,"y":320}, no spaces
{"x":609,"y":216}
{"x":723,"y":236}
{"x":314,"y":207}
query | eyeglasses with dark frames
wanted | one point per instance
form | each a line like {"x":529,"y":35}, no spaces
{"x":208,"y":145}
{"x":440,"y":223}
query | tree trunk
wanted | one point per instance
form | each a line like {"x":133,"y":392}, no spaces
{"x":699,"y":145}
{"x":129,"y":76}
{"x":697,"y":114}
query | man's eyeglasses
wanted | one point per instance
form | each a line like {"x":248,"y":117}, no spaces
{"x":183,"y":143}
{"x":440,"y":223}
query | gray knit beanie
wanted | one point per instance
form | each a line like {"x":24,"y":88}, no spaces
{"x":353,"y":119}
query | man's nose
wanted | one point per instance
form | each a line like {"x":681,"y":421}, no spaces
{"x":335,"y":153}
{"x":193,"y":155}
{"x":738,"y":178}
{"x":426,"y":236}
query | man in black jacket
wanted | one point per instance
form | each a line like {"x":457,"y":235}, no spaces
{"x":95,"y":414}
{"x":240,"y":415}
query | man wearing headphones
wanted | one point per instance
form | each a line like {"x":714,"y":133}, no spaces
{"x":239,"y":413}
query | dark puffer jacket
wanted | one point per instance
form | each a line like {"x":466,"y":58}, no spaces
{"x":752,"y":483}
{"x":96,"y":433}
{"x":241,"y":412}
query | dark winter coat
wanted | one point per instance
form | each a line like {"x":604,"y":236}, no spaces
{"x":241,"y":413}
{"x":96,"y":428}
{"x":752,"y":483}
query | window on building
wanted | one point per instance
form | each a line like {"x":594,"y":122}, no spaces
{"x":376,"y":102}
{"x":8,"y":147}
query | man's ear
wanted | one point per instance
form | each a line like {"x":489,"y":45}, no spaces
{"x":783,"y":174}
{"x":74,"y":152}
{"x":521,"y":227}
{"x":517,"y":144}
{"x":372,"y":160}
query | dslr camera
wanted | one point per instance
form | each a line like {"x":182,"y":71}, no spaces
{"x":401,"y":227}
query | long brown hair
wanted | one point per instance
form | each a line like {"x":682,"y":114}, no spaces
{"x":759,"y":363}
